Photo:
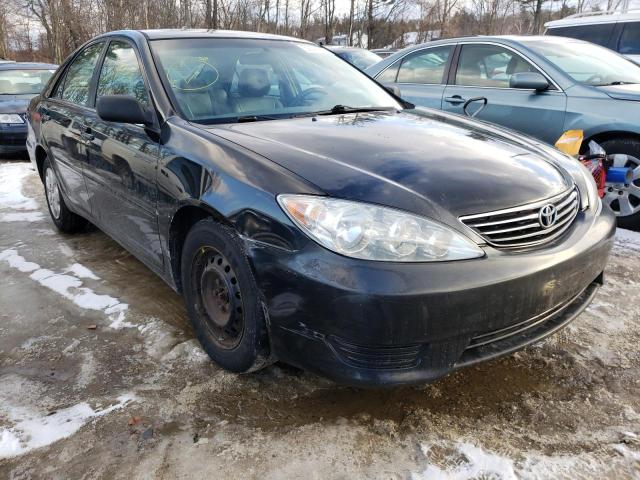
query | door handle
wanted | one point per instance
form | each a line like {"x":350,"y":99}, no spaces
{"x":455,"y":100}
{"x":87,"y":134}
{"x":472,"y":100}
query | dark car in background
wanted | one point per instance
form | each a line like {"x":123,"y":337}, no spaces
{"x":311,"y":218}
{"x":19,"y":83}
{"x":542,"y":86}
{"x":358,"y":57}
{"x":617,"y":30}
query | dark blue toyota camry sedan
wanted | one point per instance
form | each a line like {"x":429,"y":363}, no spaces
{"x":307,"y":214}
{"x":19,"y":83}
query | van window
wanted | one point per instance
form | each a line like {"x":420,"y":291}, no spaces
{"x":598,"y":34}
{"x":630,"y":39}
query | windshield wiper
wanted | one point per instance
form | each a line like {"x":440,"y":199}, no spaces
{"x":255,"y":118}
{"x":336,"y":109}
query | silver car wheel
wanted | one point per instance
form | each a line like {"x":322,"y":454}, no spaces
{"x":624,"y":199}
{"x":53,"y":193}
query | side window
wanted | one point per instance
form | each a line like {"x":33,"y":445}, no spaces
{"x":389,"y":75}
{"x":75,"y":85}
{"x":598,"y":34}
{"x":121,"y":74}
{"x":630,"y":39}
{"x":424,"y":66}
{"x":489,"y":66}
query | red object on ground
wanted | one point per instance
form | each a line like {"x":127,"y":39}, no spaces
{"x":598,"y":171}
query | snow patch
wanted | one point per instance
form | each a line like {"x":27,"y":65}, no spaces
{"x":11,"y":179}
{"x":32,"y":429}
{"x":21,"y":217}
{"x":628,"y":239}
{"x":468,"y":461}
{"x":71,"y":287}
{"x":18,"y":262}
{"x":81,"y":271}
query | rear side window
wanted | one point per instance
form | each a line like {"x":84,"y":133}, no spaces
{"x":425,"y":66}
{"x":121,"y":74}
{"x":598,"y":34}
{"x":630,"y":39}
{"x":77,"y":80}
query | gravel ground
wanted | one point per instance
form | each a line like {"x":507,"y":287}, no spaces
{"x":100,"y":377}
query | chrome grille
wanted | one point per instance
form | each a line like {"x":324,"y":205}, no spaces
{"x":526,"y":225}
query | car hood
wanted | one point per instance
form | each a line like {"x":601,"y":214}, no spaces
{"x":425,"y":162}
{"x":622,"y":92}
{"x":14,"y":103}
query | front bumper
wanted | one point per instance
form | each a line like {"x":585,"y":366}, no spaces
{"x":375,"y":323}
{"x":13,"y":138}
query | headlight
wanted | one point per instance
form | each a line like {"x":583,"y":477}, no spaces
{"x":10,"y":118}
{"x":372,"y":232}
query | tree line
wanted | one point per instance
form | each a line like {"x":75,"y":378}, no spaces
{"x":48,"y":30}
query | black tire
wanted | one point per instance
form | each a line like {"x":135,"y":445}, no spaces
{"x":628,"y":146}
{"x":215,"y":272}
{"x":66,"y":221}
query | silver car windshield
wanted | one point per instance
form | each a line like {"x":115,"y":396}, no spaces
{"x":587,"y":63}
{"x":218,"y":80}
{"x":23,"y":82}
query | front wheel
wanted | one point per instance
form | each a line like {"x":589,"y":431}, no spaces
{"x":64,"y":219}
{"x":222,"y":298}
{"x":624,"y":199}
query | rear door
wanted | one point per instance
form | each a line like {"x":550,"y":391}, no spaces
{"x":420,"y":75}
{"x":62,"y":126}
{"x":484,"y":70}
{"x":122,"y":161}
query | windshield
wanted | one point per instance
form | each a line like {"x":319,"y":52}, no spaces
{"x":362,"y":59}
{"x":587,"y":63}
{"x":216,"y":80}
{"x":23,"y":82}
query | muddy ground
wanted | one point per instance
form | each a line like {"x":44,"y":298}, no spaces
{"x":100,"y":377}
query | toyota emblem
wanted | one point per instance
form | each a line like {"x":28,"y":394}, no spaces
{"x":547,"y":216}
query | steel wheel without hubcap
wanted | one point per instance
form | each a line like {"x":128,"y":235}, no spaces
{"x":218,"y":300}
{"x":53,"y":193}
{"x":624,"y":199}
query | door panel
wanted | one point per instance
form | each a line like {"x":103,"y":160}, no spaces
{"x":62,"y":124}
{"x":484,"y":71}
{"x":122,"y":161}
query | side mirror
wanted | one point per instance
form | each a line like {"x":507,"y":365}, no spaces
{"x":394,"y":90}
{"x":529,"y":81}
{"x":123,"y":109}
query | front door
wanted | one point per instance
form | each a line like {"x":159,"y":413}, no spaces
{"x":484,"y":70}
{"x":122,"y":161}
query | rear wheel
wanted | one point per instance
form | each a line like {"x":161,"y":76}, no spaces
{"x":624,"y":199}
{"x":64,"y":219}
{"x":222,"y":298}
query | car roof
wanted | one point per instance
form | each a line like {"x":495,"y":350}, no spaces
{"x":27,"y":66}
{"x":162,"y":34}
{"x":591,"y":18}
{"x":513,"y":40}
{"x":342,"y":47}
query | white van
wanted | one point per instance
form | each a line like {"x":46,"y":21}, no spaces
{"x":617,"y":30}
